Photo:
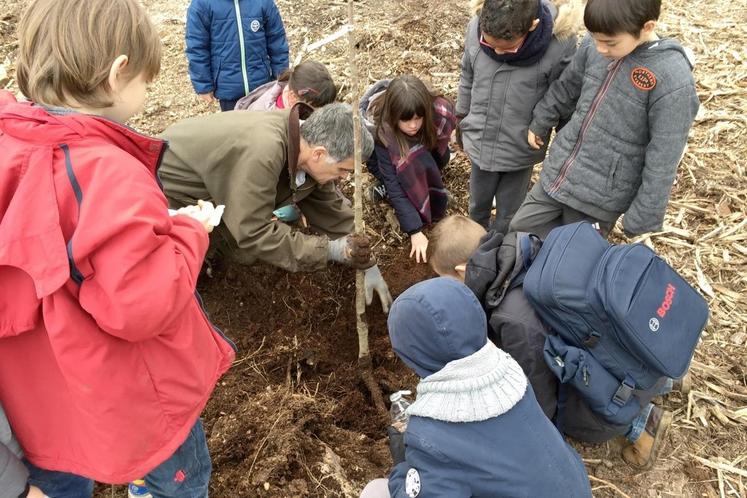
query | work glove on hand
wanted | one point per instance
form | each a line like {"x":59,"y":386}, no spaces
{"x":374,"y":281}
{"x":396,"y":445}
{"x":353,"y":250}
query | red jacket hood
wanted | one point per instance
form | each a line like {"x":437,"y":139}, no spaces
{"x":24,"y":120}
{"x":31,"y":238}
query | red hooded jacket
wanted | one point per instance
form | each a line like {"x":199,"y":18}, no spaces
{"x":106,"y":356}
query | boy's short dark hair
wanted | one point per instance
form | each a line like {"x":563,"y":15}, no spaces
{"x":508,"y":19}
{"x":613,"y":17}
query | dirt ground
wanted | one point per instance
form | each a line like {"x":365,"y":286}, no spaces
{"x":292,"y":419}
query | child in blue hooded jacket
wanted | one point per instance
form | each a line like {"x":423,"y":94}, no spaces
{"x":233,"y":47}
{"x":476,"y":428}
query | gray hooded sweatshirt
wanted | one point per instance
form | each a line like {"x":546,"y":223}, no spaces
{"x":629,"y":121}
{"x":496,"y":99}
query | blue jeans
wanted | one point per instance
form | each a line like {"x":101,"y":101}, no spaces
{"x":638,"y":425}
{"x":185,"y":475}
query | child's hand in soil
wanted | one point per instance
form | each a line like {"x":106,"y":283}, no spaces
{"x":419,"y":248}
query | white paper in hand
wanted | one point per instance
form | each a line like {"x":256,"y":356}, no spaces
{"x":216,"y":215}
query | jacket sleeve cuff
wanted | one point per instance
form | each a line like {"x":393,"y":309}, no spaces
{"x":201,"y":89}
{"x":537,"y":129}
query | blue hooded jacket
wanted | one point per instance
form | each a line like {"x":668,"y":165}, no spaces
{"x":507,"y":448}
{"x":232,"y":58}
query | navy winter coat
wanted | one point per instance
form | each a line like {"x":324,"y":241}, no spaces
{"x":232,"y":58}
{"x":434,"y":326}
{"x":517,"y":454}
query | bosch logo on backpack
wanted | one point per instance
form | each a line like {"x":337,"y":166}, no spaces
{"x":667,"y":303}
{"x":653,"y":325}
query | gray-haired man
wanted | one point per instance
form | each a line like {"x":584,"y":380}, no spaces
{"x":266,"y":166}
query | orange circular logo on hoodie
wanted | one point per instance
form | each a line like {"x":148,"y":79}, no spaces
{"x":643,"y":79}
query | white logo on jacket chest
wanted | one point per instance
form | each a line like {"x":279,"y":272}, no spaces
{"x":412,"y":483}
{"x":255,"y":25}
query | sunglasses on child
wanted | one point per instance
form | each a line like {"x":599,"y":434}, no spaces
{"x":503,"y":46}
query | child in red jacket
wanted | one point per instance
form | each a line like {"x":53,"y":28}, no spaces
{"x":106,"y":356}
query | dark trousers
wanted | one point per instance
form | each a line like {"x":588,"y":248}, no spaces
{"x":228,"y":105}
{"x":540,"y":213}
{"x":508,"y":188}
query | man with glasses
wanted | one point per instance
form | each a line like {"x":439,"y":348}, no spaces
{"x":271,"y":170}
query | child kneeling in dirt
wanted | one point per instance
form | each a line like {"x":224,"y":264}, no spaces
{"x":460,"y":248}
{"x":106,"y":356}
{"x":475,"y":428}
{"x":308,"y":82}
{"x":411,"y":127}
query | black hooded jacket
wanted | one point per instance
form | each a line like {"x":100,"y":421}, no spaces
{"x":512,"y":323}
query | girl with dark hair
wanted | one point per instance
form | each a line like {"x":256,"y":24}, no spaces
{"x":308,"y":82}
{"x":411,"y":126}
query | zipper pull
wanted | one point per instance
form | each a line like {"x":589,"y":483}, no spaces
{"x":585,"y":373}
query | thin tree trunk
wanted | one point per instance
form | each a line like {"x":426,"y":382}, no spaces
{"x":364,"y":358}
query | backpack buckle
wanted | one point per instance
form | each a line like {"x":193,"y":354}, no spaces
{"x":624,"y":392}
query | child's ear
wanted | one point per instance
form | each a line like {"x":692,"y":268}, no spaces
{"x":461,"y":270}
{"x":535,"y":23}
{"x":648,"y":28}
{"x":116,"y":70}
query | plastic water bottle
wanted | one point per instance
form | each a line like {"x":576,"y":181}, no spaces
{"x":398,"y":410}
